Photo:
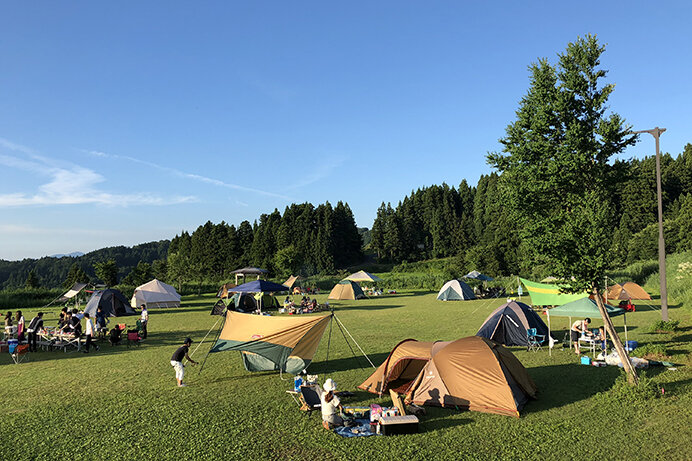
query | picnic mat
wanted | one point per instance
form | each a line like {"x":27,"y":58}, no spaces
{"x":361,"y":430}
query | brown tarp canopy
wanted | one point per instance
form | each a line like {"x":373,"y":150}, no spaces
{"x":291,"y":280}
{"x":471,"y":373}
{"x":627,"y":290}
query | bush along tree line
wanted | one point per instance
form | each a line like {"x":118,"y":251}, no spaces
{"x":305,"y":240}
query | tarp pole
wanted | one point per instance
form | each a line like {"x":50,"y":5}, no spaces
{"x":212,"y":344}
{"x":550,"y":336}
{"x":354,"y":341}
{"x":624,"y":318}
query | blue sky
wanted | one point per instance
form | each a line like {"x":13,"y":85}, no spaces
{"x":126,"y":122}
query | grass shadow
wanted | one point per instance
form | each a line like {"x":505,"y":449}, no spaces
{"x":348,"y":363}
{"x":560,"y":385}
{"x":372,"y":307}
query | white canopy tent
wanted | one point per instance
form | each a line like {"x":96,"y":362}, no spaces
{"x":155,"y":294}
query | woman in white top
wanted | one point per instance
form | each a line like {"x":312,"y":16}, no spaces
{"x":331,"y":405}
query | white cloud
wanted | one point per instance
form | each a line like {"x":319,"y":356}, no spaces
{"x":317,"y":172}
{"x":182,"y":174}
{"x":69,"y":185}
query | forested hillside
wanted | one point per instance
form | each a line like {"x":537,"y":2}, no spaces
{"x":305,"y":240}
{"x":474,"y":224}
{"x":52,"y":272}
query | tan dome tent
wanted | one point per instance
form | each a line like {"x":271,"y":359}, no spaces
{"x":346,"y":289}
{"x":628,"y":290}
{"x":155,"y":294}
{"x":471,"y":373}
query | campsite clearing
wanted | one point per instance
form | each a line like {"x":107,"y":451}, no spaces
{"x":126,"y":400}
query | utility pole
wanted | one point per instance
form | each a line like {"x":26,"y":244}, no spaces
{"x":656,"y":133}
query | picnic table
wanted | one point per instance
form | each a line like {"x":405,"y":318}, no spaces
{"x":51,"y":337}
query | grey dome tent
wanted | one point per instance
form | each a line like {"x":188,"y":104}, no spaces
{"x":112,"y":304}
{"x":455,"y":290}
{"x":508,"y":324}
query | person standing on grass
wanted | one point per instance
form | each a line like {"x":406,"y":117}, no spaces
{"x":89,"y":333}
{"x":177,"y":361}
{"x":579,"y":328}
{"x":20,"y":326}
{"x":144,"y":319}
{"x":34,"y":326}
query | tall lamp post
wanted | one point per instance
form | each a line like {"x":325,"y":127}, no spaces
{"x":656,"y":133}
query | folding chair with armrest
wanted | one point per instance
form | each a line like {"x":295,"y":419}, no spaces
{"x":534,"y":340}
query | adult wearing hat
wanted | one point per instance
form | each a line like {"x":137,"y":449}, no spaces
{"x":177,"y":361}
{"x":331,"y":406}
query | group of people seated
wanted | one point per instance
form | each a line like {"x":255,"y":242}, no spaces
{"x":306,"y":305}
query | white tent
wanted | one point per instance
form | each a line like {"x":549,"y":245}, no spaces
{"x":155,"y":294}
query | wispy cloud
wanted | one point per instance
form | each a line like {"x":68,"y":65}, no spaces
{"x":182,"y":174}
{"x":68,"y":185}
{"x":317,"y":172}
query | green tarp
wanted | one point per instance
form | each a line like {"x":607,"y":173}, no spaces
{"x":544,"y":294}
{"x":583,"y":308}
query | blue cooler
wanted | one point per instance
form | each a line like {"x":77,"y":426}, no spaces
{"x":631,"y":345}
{"x":586,"y":360}
{"x":12,"y":345}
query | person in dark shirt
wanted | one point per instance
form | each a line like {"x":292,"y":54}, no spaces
{"x":34,"y":326}
{"x":177,"y":361}
{"x":75,"y":325}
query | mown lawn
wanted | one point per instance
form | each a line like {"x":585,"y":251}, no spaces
{"x":123,"y":403}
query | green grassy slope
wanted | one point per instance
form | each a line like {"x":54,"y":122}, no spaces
{"x":124,"y":401}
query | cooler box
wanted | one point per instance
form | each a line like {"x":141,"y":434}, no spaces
{"x":586,"y":360}
{"x":392,"y":425}
{"x":631,"y":345}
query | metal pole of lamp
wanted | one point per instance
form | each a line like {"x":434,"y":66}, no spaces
{"x":656,"y":133}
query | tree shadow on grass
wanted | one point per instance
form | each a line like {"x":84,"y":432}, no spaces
{"x":371,"y":307}
{"x":560,"y":385}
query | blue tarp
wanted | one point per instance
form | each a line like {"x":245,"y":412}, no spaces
{"x":257,"y":286}
{"x":361,"y":430}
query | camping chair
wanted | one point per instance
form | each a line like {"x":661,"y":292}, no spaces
{"x":310,"y":398}
{"x":534,"y":340}
{"x":19,"y":352}
{"x":115,"y":335}
{"x":133,"y":338}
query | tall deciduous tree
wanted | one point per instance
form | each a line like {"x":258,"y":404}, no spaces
{"x":107,"y":271}
{"x":556,"y":163}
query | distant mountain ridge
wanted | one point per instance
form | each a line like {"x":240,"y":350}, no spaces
{"x":52,"y":270}
{"x":74,"y":254}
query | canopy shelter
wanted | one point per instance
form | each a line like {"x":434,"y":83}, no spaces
{"x":260,"y":286}
{"x":471,"y":373}
{"x":155,"y":294}
{"x":362,"y":276}
{"x":455,"y":290}
{"x":74,"y":291}
{"x":627,"y":291}
{"x":583,"y":308}
{"x":285,"y":344}
{"x":475,"y":275}
{"x":112,"y":304}
{"x":544,"y":294}
{"x":346,"y":289}
{"x":508,"y":324}
{"x":70,"y":294}
{"x":245,"y":271}
{"x":291,"y":281}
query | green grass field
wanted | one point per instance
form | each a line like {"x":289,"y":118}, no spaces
{"x":123,"y":403}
